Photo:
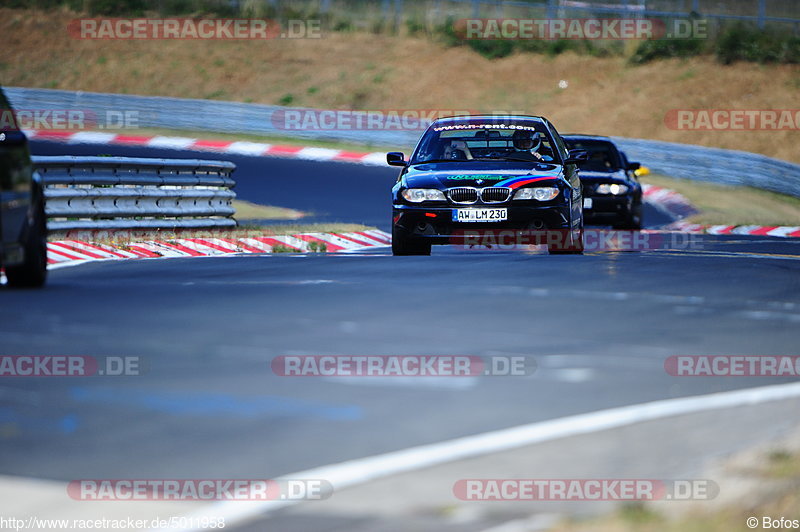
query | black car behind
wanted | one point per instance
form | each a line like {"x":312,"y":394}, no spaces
{"x":611,"y":191}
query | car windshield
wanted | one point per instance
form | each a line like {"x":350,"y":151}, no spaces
{"x":603,"y":155}
{"x":526,"y":141}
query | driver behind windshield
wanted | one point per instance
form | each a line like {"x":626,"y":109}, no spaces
{"x":523,"y":146}
{"x":526,"y":146}
{"x":457,"y":149}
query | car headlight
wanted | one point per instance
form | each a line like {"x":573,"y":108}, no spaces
{"x":418,"y":195}
{"x":611,"y":188}
{"x":537,"y":193}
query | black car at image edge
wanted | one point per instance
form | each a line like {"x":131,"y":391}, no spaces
{"x":491,"y":174}
{"x":23,"y":229}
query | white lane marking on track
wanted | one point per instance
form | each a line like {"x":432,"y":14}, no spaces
{"x":724,"y":254}
{"x":447,"y":383}
{"x":355,"y":472}
{"x":569,"y":375}
{"x":682,"y":304}
{"x":528,"y":524}
{"x":59,"y":265}
{"x":653,"y":360}
{"x":300,"y":282}
{"x":762,"y":315}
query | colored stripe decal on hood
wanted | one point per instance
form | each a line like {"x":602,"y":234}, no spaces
{"x":516,"y":182}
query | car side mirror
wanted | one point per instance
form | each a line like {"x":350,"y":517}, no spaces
{"x":12,"y":138}
{"x":634,"y":166}
{"x":396,"y":158}
{"x":576,"y":156}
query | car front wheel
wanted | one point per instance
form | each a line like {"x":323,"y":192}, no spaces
{"x":33,"y":272}
{"x":633,"y":221}
{"x":402,"y":244}
{"x":572,"y":245}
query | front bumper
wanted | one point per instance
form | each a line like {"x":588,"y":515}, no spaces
{"x":607,"y":207}
{"x":435,"y":223}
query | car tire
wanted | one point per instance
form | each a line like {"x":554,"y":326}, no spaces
{"x":633,"y":220}
{"x":33,"y":272}
{"x":573,"y":247}
{"x":403,"y":245}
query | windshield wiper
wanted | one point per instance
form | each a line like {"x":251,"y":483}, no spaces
{"x":443,"y":161}
{"x":533,"y":161}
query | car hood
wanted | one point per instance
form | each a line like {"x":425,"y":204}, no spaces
{"x":442,"y":176}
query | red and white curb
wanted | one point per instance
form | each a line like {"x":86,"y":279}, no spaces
{"x":257,"y":149}
{"x":69,"y":252}
{"x":668,"y":201}
{"x":751,"y":230}
{"x":679,"y":207}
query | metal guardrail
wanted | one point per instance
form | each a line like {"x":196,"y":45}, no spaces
{"x":678,"y":160}
{"x":187,"y":114}
{"x":134,"y":193}
{"x":715,"y":165}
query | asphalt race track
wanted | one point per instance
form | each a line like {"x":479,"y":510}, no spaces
{"x":599,"y":327}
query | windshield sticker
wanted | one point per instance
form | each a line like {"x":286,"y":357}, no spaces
{"x":485,"y":126}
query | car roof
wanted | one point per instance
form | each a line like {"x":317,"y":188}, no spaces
{"x":586,"y":137}
{"x":472,"y":118}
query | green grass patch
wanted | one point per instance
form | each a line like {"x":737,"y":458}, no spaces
{"x":744,"y":42}
{"x":651,"y":50}
{"x":246,"y":210}
{"x":783,"y":464}
{"x":729,"y":205}
{"x":779,"y":498}
{"x":450,"y":35}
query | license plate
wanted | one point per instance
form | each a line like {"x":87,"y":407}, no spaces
{"x":480,"y":215}
{"x":587,"y":203}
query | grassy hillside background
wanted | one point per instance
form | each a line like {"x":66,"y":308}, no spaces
{"x":360,"y":70}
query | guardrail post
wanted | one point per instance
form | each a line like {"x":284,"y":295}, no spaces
{"x":398,"y":14}
{"x":136,"y":193}
{"x":552,"y":8}
{"x":385,"y":9}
